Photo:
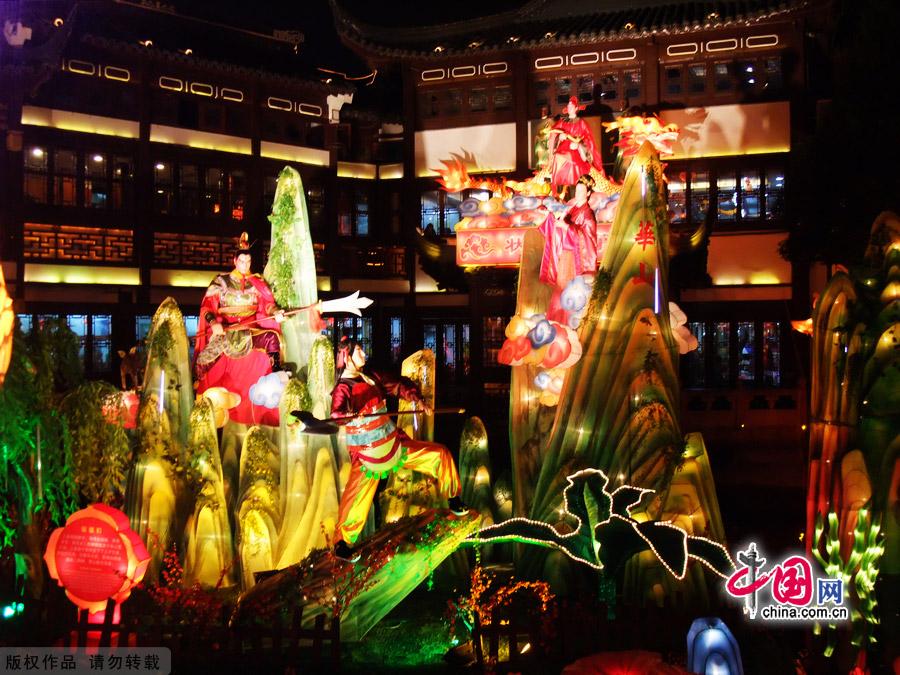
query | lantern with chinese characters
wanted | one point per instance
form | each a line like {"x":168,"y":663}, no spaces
{"x":96,"y":557}
{"x":7,"y":320}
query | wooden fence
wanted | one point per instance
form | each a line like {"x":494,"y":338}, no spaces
{"x":280,"y":644}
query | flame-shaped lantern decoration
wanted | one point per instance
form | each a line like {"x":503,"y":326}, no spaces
{"x":7,"y":320}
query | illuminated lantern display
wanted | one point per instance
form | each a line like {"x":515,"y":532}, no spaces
{"x":96,"y":556}
{"x":712,"y":648}
{"x":7,"y":317}
{"x":222,"y":401}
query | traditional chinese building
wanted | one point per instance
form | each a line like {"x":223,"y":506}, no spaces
{"x":738,"y":79}
{"x":139,"y":142}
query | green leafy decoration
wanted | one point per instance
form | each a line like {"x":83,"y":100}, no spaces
{"x":27,"y":402}
{"x":605,"y":535}
{"x":101,"y":451}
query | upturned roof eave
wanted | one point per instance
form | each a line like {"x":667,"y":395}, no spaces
{"x":164,"y":55}
{"x":378,"y":50}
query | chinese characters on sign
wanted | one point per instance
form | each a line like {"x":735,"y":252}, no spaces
{"x":501,"y":246}
{"x":791,"y":584}
{"x":156,"y":660}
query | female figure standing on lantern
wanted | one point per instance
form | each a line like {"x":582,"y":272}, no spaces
{"x":570,"y":242}
{"x":376,"y":446}
{"x":572,"y":148}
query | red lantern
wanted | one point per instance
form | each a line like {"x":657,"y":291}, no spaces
{"x":96,"y":556}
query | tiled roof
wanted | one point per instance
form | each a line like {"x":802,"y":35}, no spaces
{"x":549,"y":22}
{"x":121,"y":27}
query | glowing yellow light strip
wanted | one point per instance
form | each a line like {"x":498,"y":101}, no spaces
{"x":390,"y":171}
{"x":81,"y":274}
{"x":202,"y":140}
{"x":357,"y":170}
{"x":181,"y":278}
{"x":72,"y":121}
{"x":786,"y":147}
{"x":294,"y":153}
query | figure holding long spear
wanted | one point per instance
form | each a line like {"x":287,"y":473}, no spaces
{"x":239,"y":335}
{"x":377,"y":447}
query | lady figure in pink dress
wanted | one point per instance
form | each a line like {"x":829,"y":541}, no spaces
{"x":570,"y":243}
{"x":572,"y":148}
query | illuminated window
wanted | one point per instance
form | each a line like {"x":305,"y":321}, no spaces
{"x":694,"y":362}
{"x":358,"y":328}
{"x":749,"y":75}
{"x":449,"y":340}
{"x":726,"y":187}
{"x":315,"y":205}
{"x":35,"y":179}
{"x":190,"y":328}
{"x":746,"y":345}
{"x":563,"y":90}
{"x":101,"y":342}
{"x":677,"y":201}
{"x":632,"y":80}
{"x":237,"y":194}
{"x":502,"y":98}
{"x":449,"y":348}
{"x":478,"y":100}
{"x":431,"y":211}
{"x":493,"y":337}
{"x":771,"y":353}
{"x":723,"y":80}
{"x":774,"y":193}
{"x":772,"y":66}
{"x":189,"y":190}
{"x":697,"y":78}
{"x":454,"y":102}
{"x":122,"y":182}
{"x":750,"y":201}
{"x":609,"y":87}
{"x":440,"y":210}
{"x":428,"y":103}
{"x":24,"y":322}
{"x":699,"y":196}
{"x":353,"y":212}
{"x":214,"y":188}
{"x":674,"y":75}
{"x":542,"y":98}
{"x":361,"y":212}
{"x":78,"y":323}
{"x":345,"y":216}
{"x":721,"y":353}
{"x":65,"y":177}
{"x":96,"y":183}
{"x":429,"y":337}
{"x":585,"y":89}
{"x":396,"y":340}
{"x":162,"y":184}
{"x":142,"y":326}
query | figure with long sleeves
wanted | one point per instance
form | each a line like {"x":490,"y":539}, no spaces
{"x":570,"y":242}
{"x":376,"y":446}
{"x":572,"y":150}
{"x":238,"y":332}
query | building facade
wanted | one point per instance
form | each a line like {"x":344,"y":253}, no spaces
{"x":139,"y":143}
{"x":736,"y":80}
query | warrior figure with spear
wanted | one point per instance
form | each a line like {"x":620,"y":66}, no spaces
{"x":377,"y":447}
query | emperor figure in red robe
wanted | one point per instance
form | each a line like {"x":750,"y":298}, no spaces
{"x":572,"y":148}
{"x":376,"y":446}
{"x":238,"y":335}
